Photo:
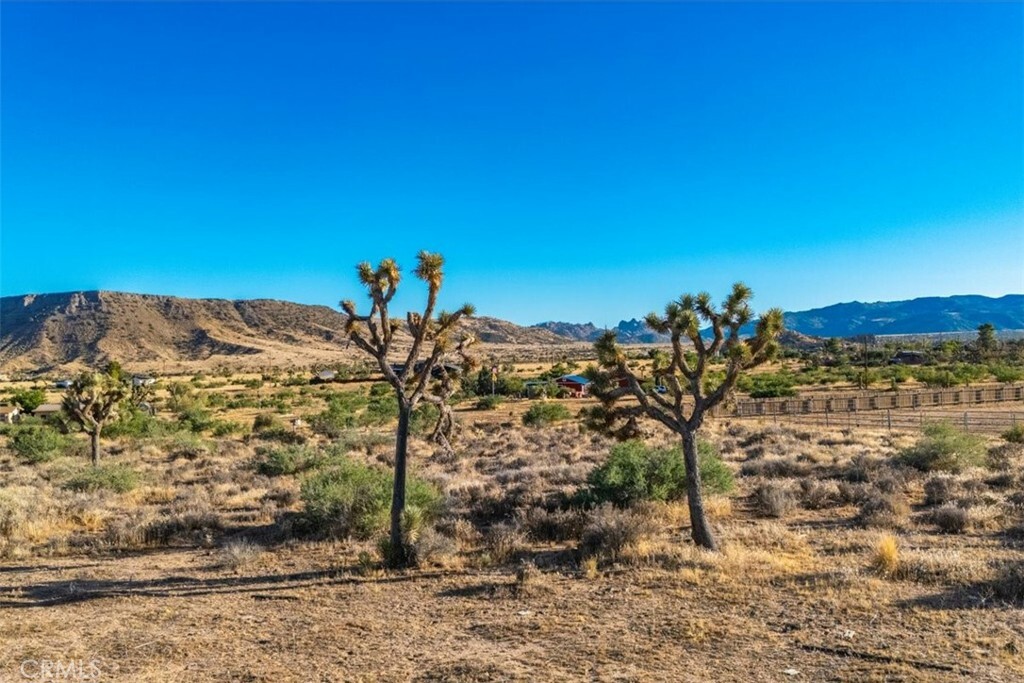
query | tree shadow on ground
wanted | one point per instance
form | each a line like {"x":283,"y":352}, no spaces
{"x":261,"y":587}
{"x":1004,"y":591}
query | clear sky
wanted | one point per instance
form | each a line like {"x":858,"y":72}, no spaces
{"x":575,"y":161}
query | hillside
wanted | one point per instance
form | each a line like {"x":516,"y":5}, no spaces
{"x":917,"y":316}
{"x":85,"y":328}
{"x":927,"y":315}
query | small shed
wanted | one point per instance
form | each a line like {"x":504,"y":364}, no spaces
{"x":577,"y":385}
{"x":9,"y":414}
{"x":47,"y":409}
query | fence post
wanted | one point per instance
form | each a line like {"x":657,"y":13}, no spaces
{"x":966,"y":425}
{"x":888,"y":419}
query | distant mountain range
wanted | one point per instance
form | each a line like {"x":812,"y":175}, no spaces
{"x":628,"y":331}
{"x":39,"y":332}
{"x":927,"y":315}
{"x":87,"y":328}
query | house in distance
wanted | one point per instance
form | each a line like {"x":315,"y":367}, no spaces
{"x":577,"y":386}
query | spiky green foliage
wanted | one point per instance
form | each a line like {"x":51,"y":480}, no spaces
{"x":92,"y":400}
{"x":692,"y":389}
{"x":425,"y":376}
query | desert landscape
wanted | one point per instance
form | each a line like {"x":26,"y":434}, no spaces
{"x":233,"y":530}
{"x":511,"y":341}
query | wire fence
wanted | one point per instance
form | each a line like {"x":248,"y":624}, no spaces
{"x":895,"y":410}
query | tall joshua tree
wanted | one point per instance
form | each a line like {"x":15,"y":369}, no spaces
{"x":691,"y":391}
{"x":92,"y":400}
{"x":424,"y":375}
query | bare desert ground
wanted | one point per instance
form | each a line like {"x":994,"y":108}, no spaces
{"x":837,"y":565}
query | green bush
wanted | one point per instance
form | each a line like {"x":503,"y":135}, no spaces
{"x":423,"y":419}
{"x":353,"y":499}
{"x":715,"y":475}
{"x":1014,"y":434}
{"x":635,"y":472}
{"x":29,"y":399}
{"x":265,"y":421}
{"x":381,"y":409}
{"x":195,"y":418}
{"x":944,"y":448}
{"x":138,"y":424}
{"x":115,"y":477}
{"x":488,"y":402}
{"x":280,"y":434}
{"x":226,"y":428}
{"x":274,"y":462}
{"x":335,"y":420}
{"x":1006,"y":373}
{"x":186,"y":445}
{"x":38,"y":443}
{"x":545,"y":413}
{"x":768,"y":385}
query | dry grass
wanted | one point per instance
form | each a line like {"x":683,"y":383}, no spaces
{"x":516,"y":582}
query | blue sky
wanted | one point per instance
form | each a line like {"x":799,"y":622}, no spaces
{"x":575,"y":161}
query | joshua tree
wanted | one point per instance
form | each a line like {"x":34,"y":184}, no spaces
{"x":690,"y":391}
{"x":427,"y":379}
{"x":92,"y":400}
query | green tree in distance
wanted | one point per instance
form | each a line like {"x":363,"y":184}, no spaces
{"x":92,"y":400}
{"x":29,"y":399}
{"x":987,"y":344}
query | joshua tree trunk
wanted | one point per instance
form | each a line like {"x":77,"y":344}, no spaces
{"x":95,"y":436}
{"x":700,"y":530}
{"x":398,"y":493}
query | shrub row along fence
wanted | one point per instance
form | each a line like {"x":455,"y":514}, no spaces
{"x":893,"y":410}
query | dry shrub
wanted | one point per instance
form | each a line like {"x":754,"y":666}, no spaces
{"x":774,"y":499}
{"x":817,"y":495}
{"x":610,"y":531}
{"x":717,"y":507}
{"x":942,"y":567}
{"x":989,"y":516}
{"x":767,"y":535}
{"x":544,"y":525}
{"x":529,"y":580}
{"x":951,"y":519}
{"x":888,"y":480}
{"x":862,"y":468}
{"x":504,"y":542}
{"x":588,"y":567}
{"x":886,"y":558}
{"x":1008,"y":584}
{"x":941,"y":489}
{"x":1002,"y":481}
{"x":852,"y":493}
{"x":238,"y":554}
{"x":1006,"y":456}
{"x":129,"y":531}
{"x":774,"y":468}
{"x":463,"y":531}
{"x":883,"y":511}
{"x":432,"y":548}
